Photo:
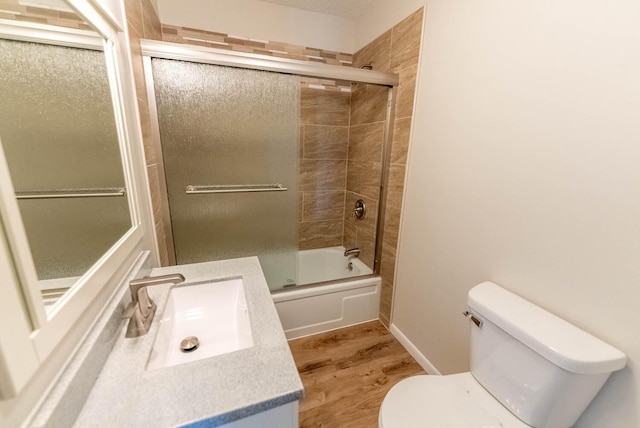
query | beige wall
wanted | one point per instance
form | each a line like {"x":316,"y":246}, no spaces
{"x":524,"y":170}
{"x":261,"y":20}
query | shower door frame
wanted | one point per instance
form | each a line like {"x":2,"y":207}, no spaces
{"x":204,"y":55}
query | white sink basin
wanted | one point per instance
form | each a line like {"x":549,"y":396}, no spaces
{"x":215,"y":312}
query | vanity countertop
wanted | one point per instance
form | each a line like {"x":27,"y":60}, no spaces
{"x":216,"y":390}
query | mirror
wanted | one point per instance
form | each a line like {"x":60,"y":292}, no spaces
{"x":59,"y":135}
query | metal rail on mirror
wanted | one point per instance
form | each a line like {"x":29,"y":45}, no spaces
{"x":72,"y":193}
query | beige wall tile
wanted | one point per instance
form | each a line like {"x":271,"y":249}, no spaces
{"x":378,"y":52}
{"x":311,"y":115}
{"x":316,"y":175}
{"x":301,"y":143}
{"x":320,"y":107}
{"x":368,"y":104}
{"x":394,"y":204}
{"x":365,"y":142}
{"x":150,"y":146}
{"x":325,"y":142}
{"x":319,"y":234}
{"x":391,"y":226}
{"x":162,"y":244}
{"x":156,"y":197}
{"x":368,"y":223}
{"x":400,"y":144}
{"x":43,"y":12}
{"x":367,"y":243}
{"x":150,"y":21}
{"x":384,"y":320}
{"x":386,"y":298}
{"x":350,"y":236}
{"x":171,"y":33}
{"x":364,"y":178}
{"x":395,"y":186}
{"x":12,"y":6}
{"x":388,"y":263}
{"x":300,"y":206}
{"x":406,"y":92}
{"x":405,"y":42}
{"x":133,"y":12}
{"x":138,"y":70}
{"x":322,"y":206}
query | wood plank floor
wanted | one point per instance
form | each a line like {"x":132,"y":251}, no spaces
{"x":346,"y":374}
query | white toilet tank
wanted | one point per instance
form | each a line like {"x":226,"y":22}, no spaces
{"x":543,"y":369}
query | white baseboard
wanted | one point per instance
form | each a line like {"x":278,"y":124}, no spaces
{"x":415,"y":353}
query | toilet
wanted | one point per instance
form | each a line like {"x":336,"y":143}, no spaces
{"x":529,"y":368}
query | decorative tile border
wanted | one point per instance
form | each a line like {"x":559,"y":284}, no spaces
{"x":42,"y":15}
{"x":211,"y":39}
{"x":325,"y":84}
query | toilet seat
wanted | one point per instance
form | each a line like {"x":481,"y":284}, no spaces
{"x":453,"y":401}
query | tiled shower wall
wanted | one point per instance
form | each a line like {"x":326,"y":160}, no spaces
{"x":396,"y":51}
{"x":364,"y":166}
{"x":324,"y":143}
{"x":11,"y":9}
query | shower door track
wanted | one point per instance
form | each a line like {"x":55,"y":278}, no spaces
{"x":177,"y":51}
{"x":204,"y":55}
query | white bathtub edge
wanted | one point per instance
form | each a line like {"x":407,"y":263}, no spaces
{"x":413,"y":351}
{"x":294,"y":294}
{"x":320,"y":309}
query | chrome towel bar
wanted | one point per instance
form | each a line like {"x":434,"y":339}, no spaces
{"x":72,"y":193}
{"x":235,"y":188}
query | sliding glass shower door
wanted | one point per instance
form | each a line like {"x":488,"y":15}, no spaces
{"x":230,"y":147}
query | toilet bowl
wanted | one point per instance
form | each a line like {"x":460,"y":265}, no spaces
{"x":529,"y":368}
{"x":455,"y":401}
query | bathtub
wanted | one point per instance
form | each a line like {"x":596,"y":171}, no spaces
{"x":346,"y":300}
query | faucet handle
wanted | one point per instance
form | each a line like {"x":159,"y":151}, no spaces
{"x":142,"y":309}
{"x":359,"y":210}
{"x":139,"y":292}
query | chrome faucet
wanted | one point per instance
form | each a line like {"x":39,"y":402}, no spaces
{"x":142,"y":309}
{"x":355,"y":252}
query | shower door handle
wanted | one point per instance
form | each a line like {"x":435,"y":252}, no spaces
{"x":235,"y":188}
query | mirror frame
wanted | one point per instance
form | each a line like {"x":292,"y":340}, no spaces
{"x":32,"y":342}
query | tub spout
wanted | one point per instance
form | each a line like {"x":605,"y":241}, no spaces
{"x":355,"y":252}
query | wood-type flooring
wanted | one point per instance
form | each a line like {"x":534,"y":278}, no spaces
{"x":346,"y":374}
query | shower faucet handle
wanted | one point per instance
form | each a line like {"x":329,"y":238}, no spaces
{"x":360,"y":210}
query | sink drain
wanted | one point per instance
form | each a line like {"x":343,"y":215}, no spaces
{"x":189,"y":344}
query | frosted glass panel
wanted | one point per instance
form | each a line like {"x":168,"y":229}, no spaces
{"x":229,"y":126}
{"x":58,"y":132}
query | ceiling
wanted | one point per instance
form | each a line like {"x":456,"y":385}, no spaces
{"x":344,"y":8}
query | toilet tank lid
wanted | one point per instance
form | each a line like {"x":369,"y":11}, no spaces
{"x":553,"y":338}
